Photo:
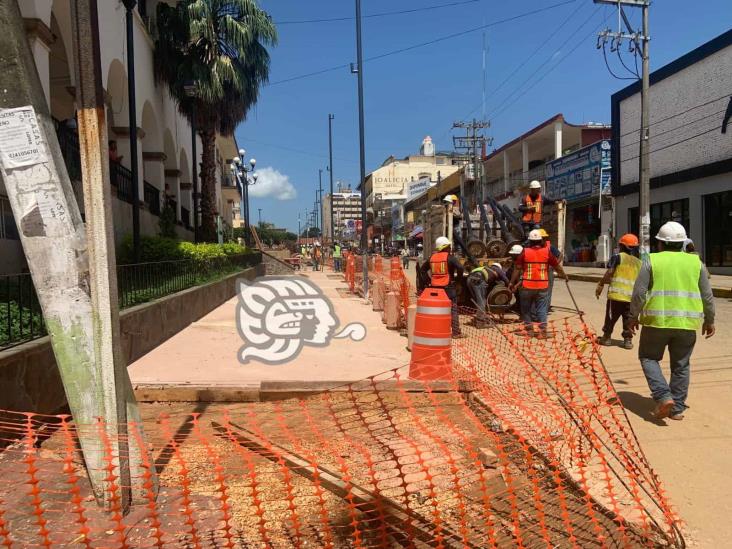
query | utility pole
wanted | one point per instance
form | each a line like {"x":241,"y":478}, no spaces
{"x":330,"y":169}
{"x":260,"y":217}
{"x":73,"y":270}
{"x":470,"y":144}
{"x":362,"y":151}
{"x":320,"y":202}
{"x":639,"y":41}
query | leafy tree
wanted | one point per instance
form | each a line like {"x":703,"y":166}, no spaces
{"x":212,"y":56}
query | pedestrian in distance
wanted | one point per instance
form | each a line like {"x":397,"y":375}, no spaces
{"x":405,"y":259}
{"x":672,"y":299}
{"x":317,"y":256}
{"x":481,"y":281}
{"x":443,"y":269}
{"x":621,"y":274}
{"x":337,"y":257}
{"x":532,"y":266}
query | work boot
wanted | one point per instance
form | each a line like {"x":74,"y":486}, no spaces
{"x":604,"y":339}
{"x":677,"y":417}
{"x":627,"y":343}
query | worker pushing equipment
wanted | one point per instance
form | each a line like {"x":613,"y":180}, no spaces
{"x":673,"y":298}
{"x":622,"y":271}
{"x":443,"y":269}
{"x":481,"y":281}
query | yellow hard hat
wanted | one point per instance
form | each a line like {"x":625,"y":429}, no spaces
{"x":543,"y":233}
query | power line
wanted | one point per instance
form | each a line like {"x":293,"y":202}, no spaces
{"x":382,"y":14}
{"x":503,"y":106}
{"x":604,"y":56}
{"x":655,"y":135}
{"x":297,"y":151}
{"x":694,"y":107}
{"x":674,"y":143}
{"x":428,"y":43}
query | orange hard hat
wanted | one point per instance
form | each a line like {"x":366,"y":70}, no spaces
{"x":629,"y":240}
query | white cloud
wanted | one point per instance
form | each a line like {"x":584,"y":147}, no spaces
{"x":272,"y":184}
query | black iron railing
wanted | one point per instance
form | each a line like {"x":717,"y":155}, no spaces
{"x":68,"y":141}
{"x":20,"y":312}
{"x":185,"y":217}
{"x":121,"y":179}
{"x":142,"y":282}
{"x":152,"y":198}
{"x":173,"y":205}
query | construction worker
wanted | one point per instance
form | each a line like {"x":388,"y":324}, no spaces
{"x":532,"y":206}
{"x":337,"y":255}
{"x":533,"y":267}
{"x":317,"y":255}
{"x":672,"y":298}
{"x":514,"y":253}
{"x":444,"y":269}
{"x":556,"y":253}
{"x":481,"y":281}
{"x":622,"y":271}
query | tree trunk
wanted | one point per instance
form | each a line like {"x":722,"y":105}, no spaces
{"x":208,"y":186}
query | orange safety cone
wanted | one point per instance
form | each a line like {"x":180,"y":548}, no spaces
{"x":432,"y":342}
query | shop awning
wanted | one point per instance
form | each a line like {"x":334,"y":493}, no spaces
{"x":416,"y":232}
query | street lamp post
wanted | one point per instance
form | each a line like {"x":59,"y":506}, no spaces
{"x":330,"y":170}
{"x":129,"y":23}
{"x":243,"y":179}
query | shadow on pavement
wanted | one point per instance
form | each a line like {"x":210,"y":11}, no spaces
{"x":640,"y":405}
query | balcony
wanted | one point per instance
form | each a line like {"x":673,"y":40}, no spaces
{"x":185,"y":217}
{"x":152,"y":198}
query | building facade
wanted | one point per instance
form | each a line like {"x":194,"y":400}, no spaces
{"x":164,"y":137}
{"x":388,"y":187}
{"x":346,"y":206}
{"x":690,"y":150}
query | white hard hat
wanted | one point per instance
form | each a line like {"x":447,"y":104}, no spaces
{"x":671,"y":232}
{"x":534,"y":185}
{"x":516,"y":249}
{"x":448,"y":198}
{"x":442,"y":242}
{"x":535,"y":235}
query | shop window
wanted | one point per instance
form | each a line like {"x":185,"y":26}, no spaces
{"x":8,"y":229}
{"x":662,"y":212}
{"x":718,"y":229}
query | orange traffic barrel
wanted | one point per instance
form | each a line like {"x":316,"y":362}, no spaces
{"x":378,"y":269}
{"x":432,"y":343}
{"x":395,"y":271}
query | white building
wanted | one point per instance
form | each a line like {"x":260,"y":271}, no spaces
{"x":690,"y":157}
{"x":164,"y":139}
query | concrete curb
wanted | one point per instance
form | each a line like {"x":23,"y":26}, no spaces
{"x":717,"y":291}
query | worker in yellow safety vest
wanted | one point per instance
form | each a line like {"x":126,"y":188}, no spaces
{"x":672,"y":299}
{"x":622,"y":270}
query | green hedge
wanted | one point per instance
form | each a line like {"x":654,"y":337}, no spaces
{"x":156,"y":248}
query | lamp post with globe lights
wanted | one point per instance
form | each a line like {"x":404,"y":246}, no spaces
{"x":245,"y":176}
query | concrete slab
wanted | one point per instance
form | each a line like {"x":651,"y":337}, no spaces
{"x":205,"y":353}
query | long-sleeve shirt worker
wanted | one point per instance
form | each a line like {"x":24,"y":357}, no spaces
{"x":454,"y":267}
{"x":645,"y":281}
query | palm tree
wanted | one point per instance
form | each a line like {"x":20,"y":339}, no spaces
{"x":218,"y":47}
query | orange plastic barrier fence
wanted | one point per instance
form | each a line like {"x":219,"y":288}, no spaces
{"x":524,"y":446}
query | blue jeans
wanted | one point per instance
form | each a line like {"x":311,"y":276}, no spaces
{"x":337,"y":264}
{"x":479,"y":290}
{"x":454,"y":312}
{"x":680,"y":343}
{"x":534,"y":307}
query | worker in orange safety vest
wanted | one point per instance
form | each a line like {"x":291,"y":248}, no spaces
{"x":444,"y":269}
{"x":532,"y":207}
{"x":532,"y":267}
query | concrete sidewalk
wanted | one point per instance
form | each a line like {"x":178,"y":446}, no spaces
{"x":721,"y":284}
{"x":205,"y":353}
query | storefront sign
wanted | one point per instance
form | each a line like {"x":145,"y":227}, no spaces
{"x":579,"y":174}
{"x":418,"y":187}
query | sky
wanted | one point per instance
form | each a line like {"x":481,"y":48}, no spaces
{"x":541,"y":60}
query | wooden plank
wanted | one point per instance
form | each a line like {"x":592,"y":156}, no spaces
{"x":183,"y":393}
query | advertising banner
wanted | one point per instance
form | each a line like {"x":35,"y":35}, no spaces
{"x":579,"y":174}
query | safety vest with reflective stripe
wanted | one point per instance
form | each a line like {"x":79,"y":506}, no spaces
{"x":536,"y":268}
{"x":621,"y":285}
{"x":674,"y":300}
{"x":337,"y":251}
{"x":440,"y":274}
{"x":534,"y":216}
